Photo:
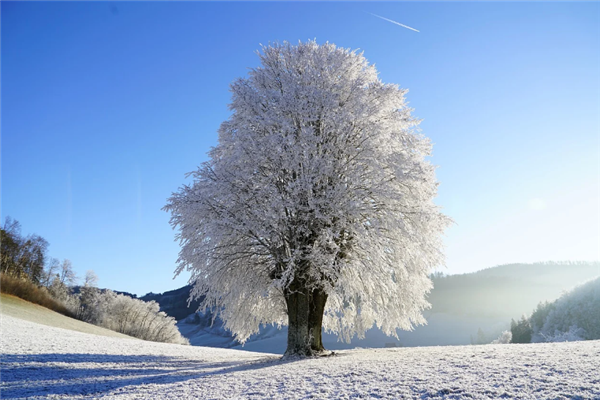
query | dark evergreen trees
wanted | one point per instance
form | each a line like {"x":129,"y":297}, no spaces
{"x":521,"y":330}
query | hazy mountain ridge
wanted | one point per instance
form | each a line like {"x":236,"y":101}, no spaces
{"x":507,"y":290}
{"x":461,"y":305}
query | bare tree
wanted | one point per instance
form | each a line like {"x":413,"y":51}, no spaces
{"x":50,"y":272}
{"x":67,"y":275}
{"x":91,"y":279}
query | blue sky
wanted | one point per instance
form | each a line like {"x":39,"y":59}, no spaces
{"x":105,"y":107}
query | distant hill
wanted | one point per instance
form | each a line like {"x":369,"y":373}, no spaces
{"x":573,"y":316}
{"x":462,"y":306}
{"x":507,"y":290}
{"x":77,"y":290}
{"x":174,"y":302}
{"x":477,"y":307}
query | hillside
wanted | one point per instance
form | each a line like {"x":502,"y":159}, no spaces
{"x":462,"y":306}
{"x":573,"y":316}
{"x":507,"y":290}
{"x":174,"y":302}
{"x":46,"y":362}
{"x":11,"y":306}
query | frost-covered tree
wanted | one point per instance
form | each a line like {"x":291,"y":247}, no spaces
{"x":137,"y":318}
{"x":91,"y":279}
{"x":89,"y":297}
{"x":67,"y":275}
{"x":539,"y":316}
{"x":64,"y":294}
{"x":504,"y":338}
{"x":316,"y":206}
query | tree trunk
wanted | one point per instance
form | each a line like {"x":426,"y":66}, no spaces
{"x":305,"y":319}
{"x":298,"y":343}
{"x":315,"y":319}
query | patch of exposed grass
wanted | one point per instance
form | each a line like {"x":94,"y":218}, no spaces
{"x":29,"y":291}
{"x":15,"y":307}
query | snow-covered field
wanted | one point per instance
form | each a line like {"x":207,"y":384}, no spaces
{"x":40,"y":361}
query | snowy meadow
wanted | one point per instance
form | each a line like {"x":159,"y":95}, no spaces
{"x":40,"y":361}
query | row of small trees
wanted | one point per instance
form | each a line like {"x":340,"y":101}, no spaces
{"x":118,"y":312}
{"x":22,"y":256}
{"x":127,"y":315}
{"x":572,"y":317}
{"x":25,"y":259}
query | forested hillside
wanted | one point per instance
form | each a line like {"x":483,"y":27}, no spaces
{"x":174,"y":302}
{"x":574,"y":316}
{"x":507,"y":290}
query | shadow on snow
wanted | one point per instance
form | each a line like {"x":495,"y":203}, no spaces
{"x":26,"y":375}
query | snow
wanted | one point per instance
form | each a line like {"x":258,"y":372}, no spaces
{"x":40,"y":361}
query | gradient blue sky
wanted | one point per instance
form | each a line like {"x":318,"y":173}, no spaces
{"x":105,"y":107}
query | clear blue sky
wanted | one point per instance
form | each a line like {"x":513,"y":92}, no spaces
{"x":105,"y":107}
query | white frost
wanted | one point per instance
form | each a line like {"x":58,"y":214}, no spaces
{"x":320,"y":176}
{"x":45,"y":362}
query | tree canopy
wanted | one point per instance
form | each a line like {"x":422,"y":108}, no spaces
{"x":316,"y":206}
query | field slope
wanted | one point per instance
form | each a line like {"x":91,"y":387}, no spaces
{"x":41,"y":361}
{"x":19,"y":308}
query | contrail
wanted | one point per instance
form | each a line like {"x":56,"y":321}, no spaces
{"x":394,"y":22}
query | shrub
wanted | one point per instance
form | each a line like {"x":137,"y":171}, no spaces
{"x":29,"y":291}
{"x":137,"y":318}
{"x":504,"y":338}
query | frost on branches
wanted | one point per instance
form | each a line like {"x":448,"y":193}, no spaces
{"x":316,"y":207}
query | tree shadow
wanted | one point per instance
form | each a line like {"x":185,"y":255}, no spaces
{"x":26,"y":375}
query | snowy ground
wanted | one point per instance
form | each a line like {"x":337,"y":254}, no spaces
{"x":40,"y":361}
